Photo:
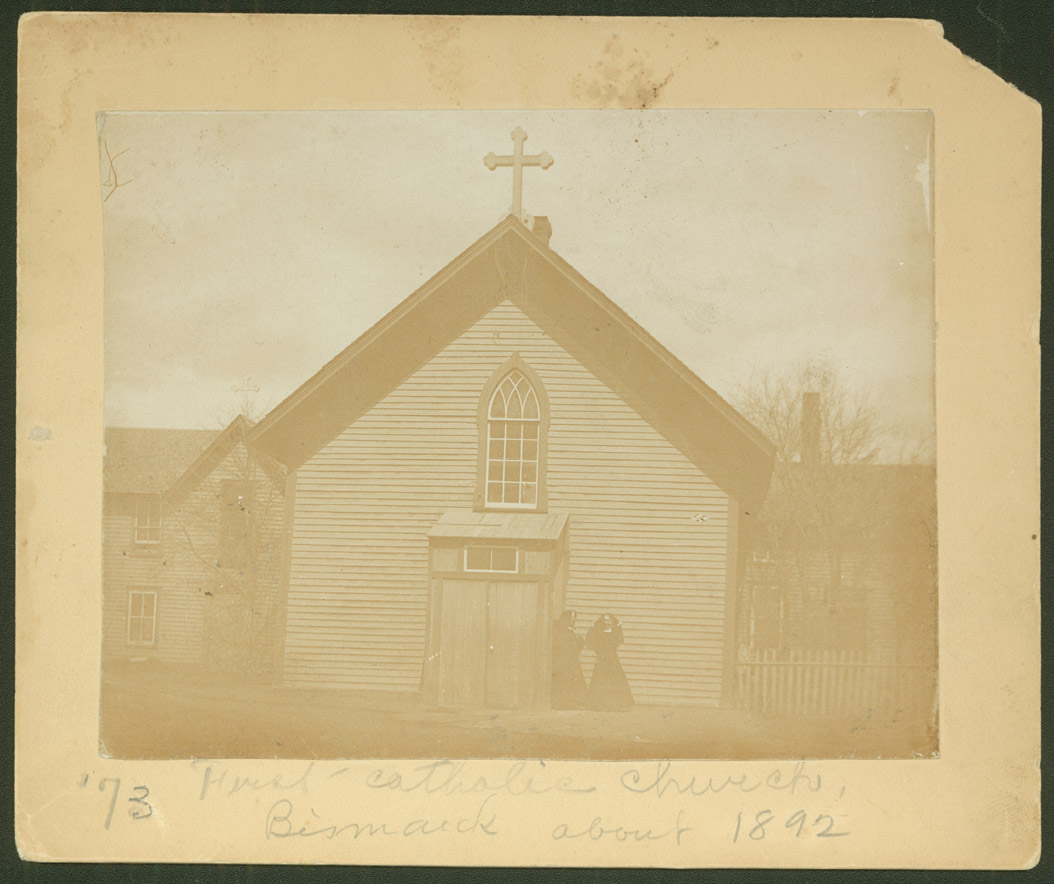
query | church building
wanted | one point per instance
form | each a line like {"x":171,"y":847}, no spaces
{"x":505,"y":445}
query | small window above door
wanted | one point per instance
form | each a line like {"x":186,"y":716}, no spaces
{"x":497,"y":559}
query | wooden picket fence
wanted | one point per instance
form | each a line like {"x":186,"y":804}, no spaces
{"x":825,"y":684}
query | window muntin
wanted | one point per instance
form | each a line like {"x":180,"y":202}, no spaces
{"x":148,"y":521}
{"x":513,"y":423}
{"x":499,"y":559}
{"x":142,"y":617}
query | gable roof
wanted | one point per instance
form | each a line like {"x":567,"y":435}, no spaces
{"x":235,"y":433}
{"x":148,"y":461}
{"x":690,"y":414}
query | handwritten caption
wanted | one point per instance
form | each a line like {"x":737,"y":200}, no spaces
{"x":677,"y":806}
{"x":139,"y":807}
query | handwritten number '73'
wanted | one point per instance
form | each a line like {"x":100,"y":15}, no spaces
{"x":141,"y":807}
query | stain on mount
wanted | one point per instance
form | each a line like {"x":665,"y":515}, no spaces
{"x":621,"y":78}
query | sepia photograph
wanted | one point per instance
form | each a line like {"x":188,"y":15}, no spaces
{"x":589,"y":435}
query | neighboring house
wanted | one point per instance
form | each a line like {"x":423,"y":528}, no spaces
{"x":191,"y":532}
{"x":838,"y":606}
{"x":504,"y":445}
{"x":870,"y":587}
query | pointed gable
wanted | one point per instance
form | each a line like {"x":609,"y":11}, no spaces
{"x":511,"y":263}
{"x":236,"y":433}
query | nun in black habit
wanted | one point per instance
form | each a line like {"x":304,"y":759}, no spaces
{"x":608,"y":688}
{"x":569,"y":686}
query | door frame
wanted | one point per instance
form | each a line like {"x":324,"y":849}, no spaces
{"x":443,"y":552}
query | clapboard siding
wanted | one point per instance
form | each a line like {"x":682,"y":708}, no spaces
{"x":124,"y":569}
{"x":183,"y":569}
{"x":177,"y":637}
{"x":359,"y":555}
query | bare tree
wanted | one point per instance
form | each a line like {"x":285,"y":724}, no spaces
{"x":230,"y":516}
{"x":248,"y":544}
{"x":850,"y":430}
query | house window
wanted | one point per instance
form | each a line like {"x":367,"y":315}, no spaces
{"x":513,"y":424}
{"x":503,"y":559}
{"x":148,"y":521}
{"x":142,"y":617}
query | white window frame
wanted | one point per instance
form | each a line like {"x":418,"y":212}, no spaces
{"x":492,"y":424}
{"x":140,"y":643}
{"x":153,"y":502}
{"x":491,"y":570}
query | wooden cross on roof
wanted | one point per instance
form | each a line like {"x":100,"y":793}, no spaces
{"x":248,"y":389}
{"x":518,"y":160}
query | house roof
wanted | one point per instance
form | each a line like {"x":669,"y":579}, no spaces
{"x":148,"y":461}
{"x":464,"y":524}
{"x":666,"y":393}
{"x":863,"y":499}
{"x":163,"y":461}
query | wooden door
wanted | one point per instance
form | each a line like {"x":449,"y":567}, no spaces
{"x":512,"y":644}
{"x":489,"y":644}
{"x":463,"y":643}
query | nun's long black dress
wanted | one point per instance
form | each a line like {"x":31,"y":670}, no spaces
{"x":608,"y":688}
{"x":569,"y":685}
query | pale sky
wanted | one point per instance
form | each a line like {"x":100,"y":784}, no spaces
{"x":262,"y":244}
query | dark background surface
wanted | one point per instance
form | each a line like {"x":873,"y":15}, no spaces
{"x":1014,"y":38}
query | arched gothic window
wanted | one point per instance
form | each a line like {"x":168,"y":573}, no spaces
{"x":512,"y":443}
{"x":513,"y":429}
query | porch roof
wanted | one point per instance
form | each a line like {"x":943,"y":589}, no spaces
{"x":462,"y":523}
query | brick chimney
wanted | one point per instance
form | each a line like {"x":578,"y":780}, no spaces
{"x":810,"y":429}
{"x":541,"y":228}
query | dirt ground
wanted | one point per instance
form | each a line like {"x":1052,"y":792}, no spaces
{"x":164,"y":713}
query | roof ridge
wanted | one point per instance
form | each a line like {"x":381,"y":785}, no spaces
{"x":742,"y":454}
